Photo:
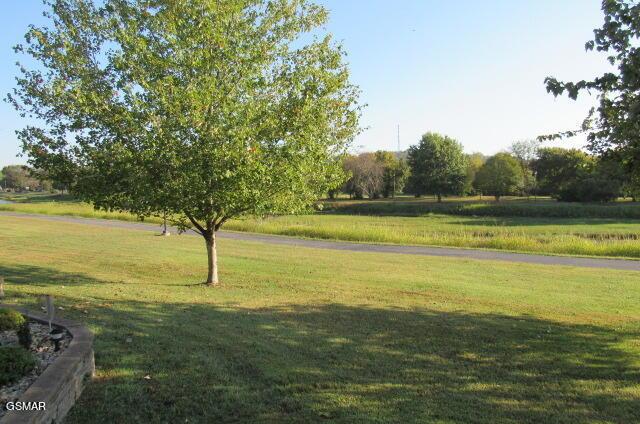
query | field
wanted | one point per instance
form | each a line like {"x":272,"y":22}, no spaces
{"x":301,"y":335}
{"x":541,"y":226}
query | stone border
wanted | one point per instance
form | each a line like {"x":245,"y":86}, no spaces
{"x":62,"y":381}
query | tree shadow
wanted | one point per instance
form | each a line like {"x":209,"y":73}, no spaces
{"x":161,"y":361}
{"x":34,"y":276}
{"x":349,"y":363}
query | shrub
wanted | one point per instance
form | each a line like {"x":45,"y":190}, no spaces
{"x":15,"y":362}
{"x":10,"y":319}
{"x":24,"y":336}
{"x":590,"y":189}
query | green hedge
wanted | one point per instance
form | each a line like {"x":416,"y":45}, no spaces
{"x":506,"y":209}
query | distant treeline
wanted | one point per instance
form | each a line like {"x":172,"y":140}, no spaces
{"x":438,"y":166}
{"x":23,"y":178}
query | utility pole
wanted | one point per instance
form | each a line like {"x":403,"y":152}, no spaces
{"x":395,"y":171}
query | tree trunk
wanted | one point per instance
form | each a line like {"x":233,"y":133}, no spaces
{"x":497,"y":197}
{"x":212,"y":256}
{"x":439,"y":198}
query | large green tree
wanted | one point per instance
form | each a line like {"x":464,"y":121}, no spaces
{"x":203,"y":109}
{"x":614,"y":127}
{"x":438,"y":166}
{"x":500,"y":175}
{"x":556,"y":167}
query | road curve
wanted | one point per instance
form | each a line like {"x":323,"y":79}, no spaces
{"x":491,"y":255}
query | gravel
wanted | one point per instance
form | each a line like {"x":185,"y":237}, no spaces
{"x":43,"y":350}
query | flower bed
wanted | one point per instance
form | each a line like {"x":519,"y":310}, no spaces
{"x":52,"y":387}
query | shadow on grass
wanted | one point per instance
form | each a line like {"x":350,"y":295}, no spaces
{"x":34,"y":276}
{"x":346,"y":363}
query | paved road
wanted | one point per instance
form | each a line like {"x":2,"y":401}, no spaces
{"x":621,"y":264}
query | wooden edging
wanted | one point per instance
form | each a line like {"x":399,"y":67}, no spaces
{"x":61,"y":382}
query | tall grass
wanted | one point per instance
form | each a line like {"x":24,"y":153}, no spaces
{"x":554,"y":240}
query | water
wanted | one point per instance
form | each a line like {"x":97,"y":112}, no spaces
{"x":4,"y":202}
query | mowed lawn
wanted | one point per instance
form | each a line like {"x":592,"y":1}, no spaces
{"x":304,"y":335}
{"x":603,"y":237}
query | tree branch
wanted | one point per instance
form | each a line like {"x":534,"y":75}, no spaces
{"x":199,"y":228}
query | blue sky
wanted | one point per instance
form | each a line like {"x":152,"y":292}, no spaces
{"x":470,"y":69}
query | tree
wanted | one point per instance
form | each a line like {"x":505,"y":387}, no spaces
{"x":501,"y":175}
{"x":204,"y":110}
{"x":395,"y":172}
{"x":526,"y":151}
{"x":614,"y":127}
{"x":555,"y":167}
{"x":601,"y":182}
{"x":438,"y":166}
{"x":474,"y":163}
{"x":366,"y":176}
{"x":14,"y":177}
{"x":631,"y":187}
{"x":18,"y":177}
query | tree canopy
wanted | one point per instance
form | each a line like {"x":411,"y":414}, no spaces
{"x":555,"y":167}
{"x":205,"y":110}
{"x":614,"y":127}
{"x":438,"y":166}
{"x":395,"y":172}
{"x":366,"y":175}
{"x":474,"y":163}
{"x":500,"y":175}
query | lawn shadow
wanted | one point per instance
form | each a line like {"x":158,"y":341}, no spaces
{"x":161,"y":361}
{"x":28,"y":275}
{"x":346,"y":363}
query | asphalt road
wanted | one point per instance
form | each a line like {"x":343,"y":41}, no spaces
{"x":491,"y":255}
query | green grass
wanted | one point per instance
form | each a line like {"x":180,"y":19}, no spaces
{"x":304,"y":335}
{"x":585,"y":237}
{"x":608,"y":237}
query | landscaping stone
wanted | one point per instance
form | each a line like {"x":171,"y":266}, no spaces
{"x":59,"y":376}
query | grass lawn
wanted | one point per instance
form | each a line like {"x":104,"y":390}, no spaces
{"x":303,"y":335}
{"x":612,"y":237}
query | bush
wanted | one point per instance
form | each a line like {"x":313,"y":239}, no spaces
{"x":24,"y":336}
{"x":10,"y":319}
{"x":15,"y":363}
{"x":590,"y":189}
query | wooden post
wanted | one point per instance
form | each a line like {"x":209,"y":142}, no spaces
{"x":1,"y":287}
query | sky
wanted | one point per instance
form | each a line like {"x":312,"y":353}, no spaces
{"x":473,"y":70}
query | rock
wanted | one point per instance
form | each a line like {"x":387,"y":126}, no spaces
{"x":43,"y":350}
